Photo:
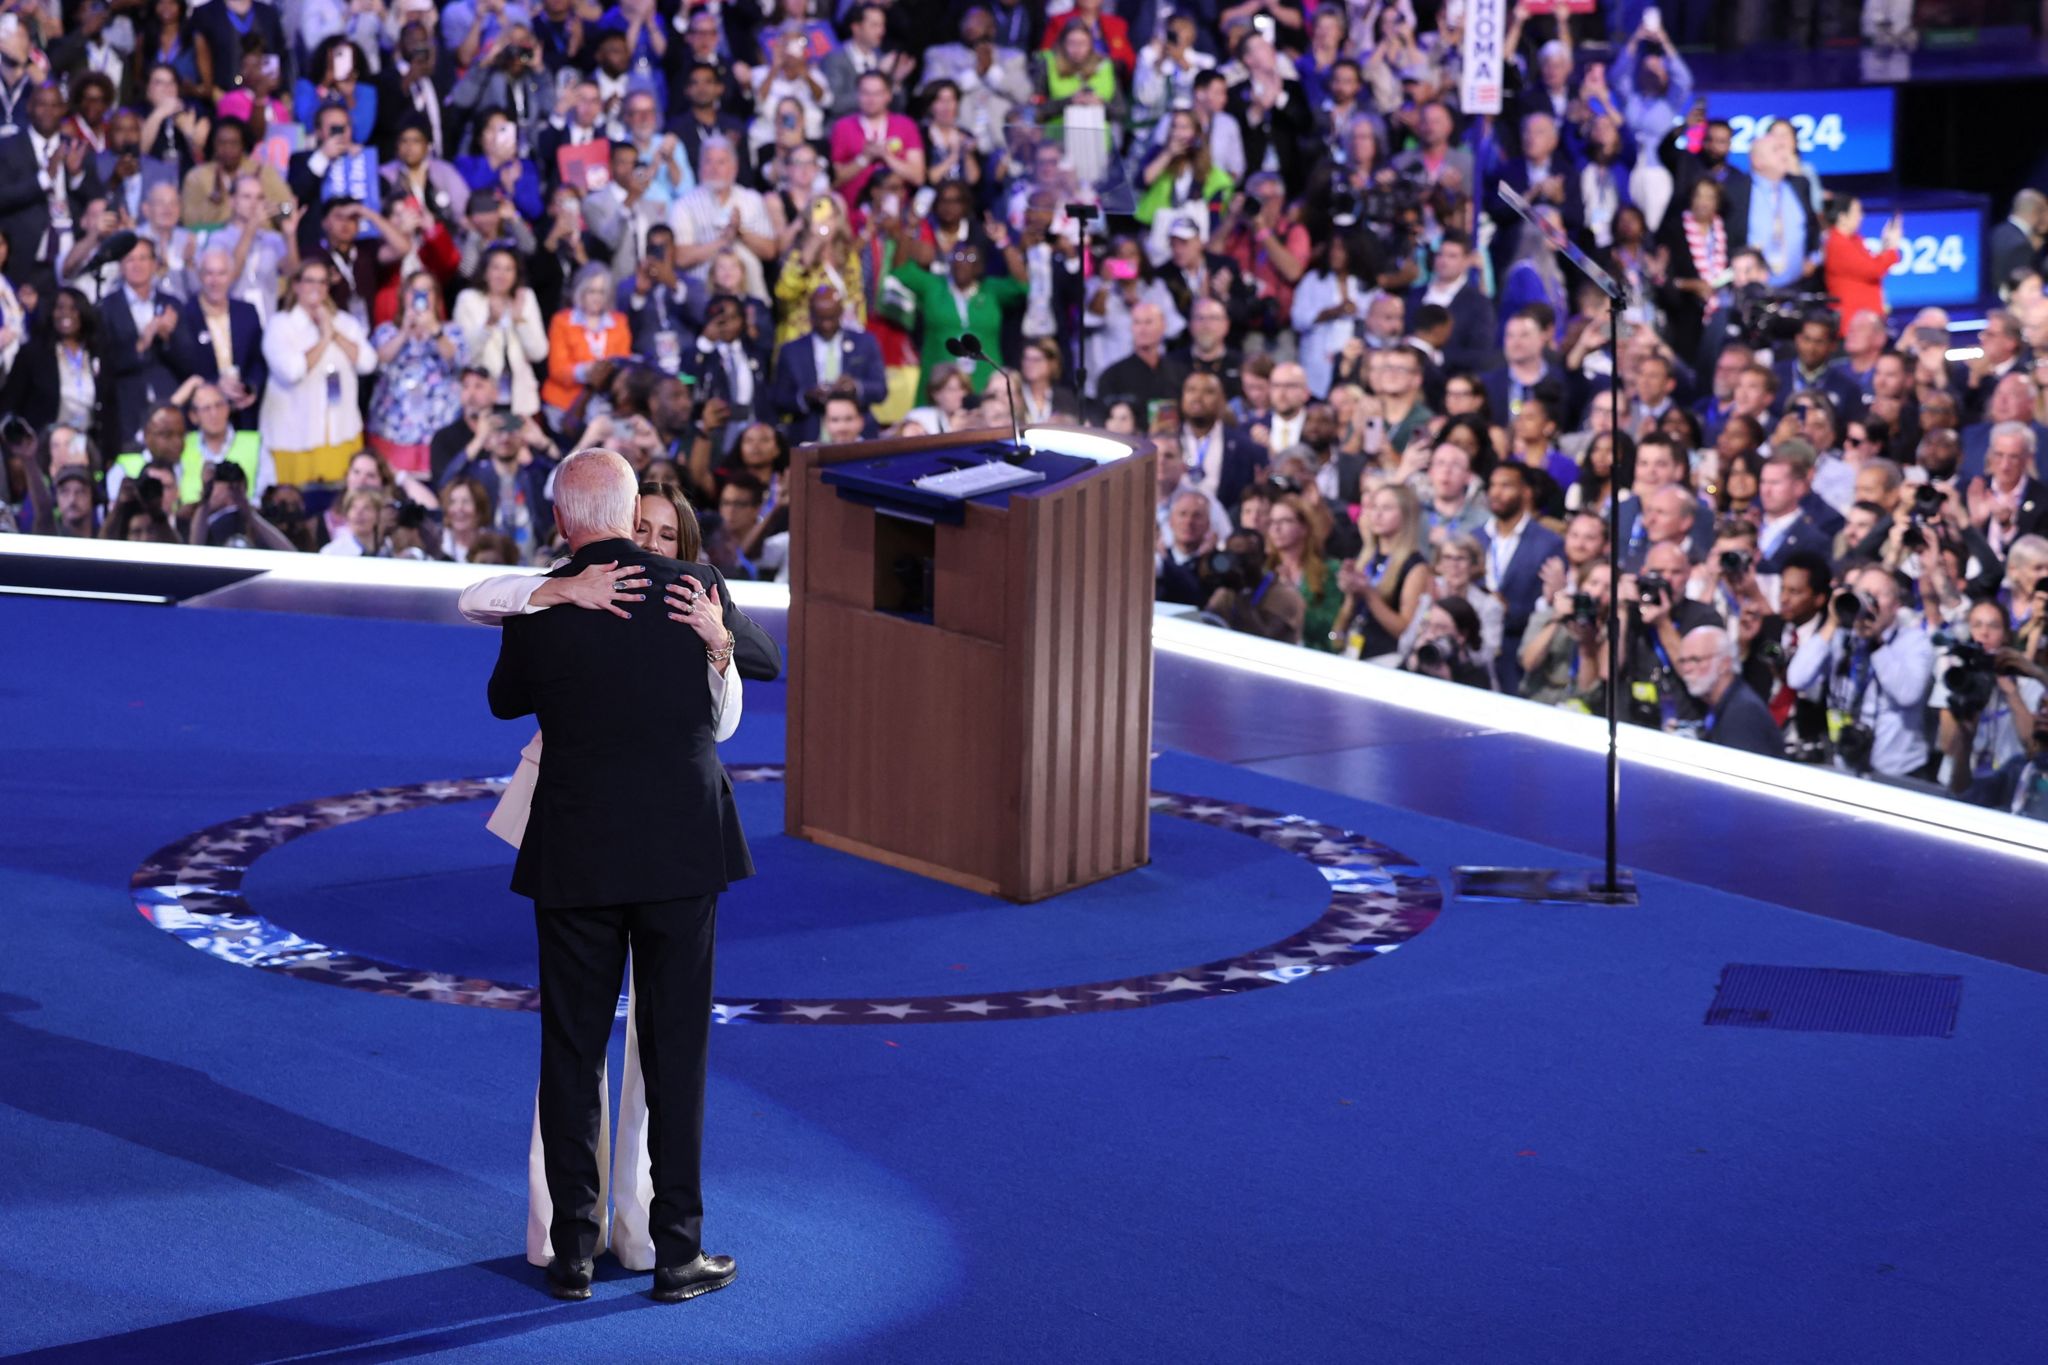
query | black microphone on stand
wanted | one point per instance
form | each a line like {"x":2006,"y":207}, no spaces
{"x":967,"y":346}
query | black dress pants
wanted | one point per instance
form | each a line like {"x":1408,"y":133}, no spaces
{"x":582,"y":963}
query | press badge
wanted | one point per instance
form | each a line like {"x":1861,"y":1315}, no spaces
{"x":1838,"y":721}
{"x":1644,"y":692}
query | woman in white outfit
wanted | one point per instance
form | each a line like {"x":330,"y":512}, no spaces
{"x":665,"y":526}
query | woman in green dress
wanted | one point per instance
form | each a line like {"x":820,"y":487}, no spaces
{"x":1293,"y":554}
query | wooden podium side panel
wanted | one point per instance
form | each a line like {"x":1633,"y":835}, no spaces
{"x":1086,"y":602}
{"x":903,"y":744}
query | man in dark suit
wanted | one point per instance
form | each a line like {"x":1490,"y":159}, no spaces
{"x":1517,"y":546}
{"x":1529,"y":367}
{"x":137,"y":321}
{"x":1808,"y":369}
{"x":33,"y":164}
{"x":2016,"y":243}
{"x":1543,"y":174}
{"x":705,"y":90}
{"x":1736,"y":716}
{"x":725,"y":370}
{"x":826,"y":360}
{"x":1222,"y":459}
{"x":212,"y":322}
{"x":128,"y":175}
{"x":1473,"y":323}
{"x":631,"y":712}
{"x":1788,"y":527}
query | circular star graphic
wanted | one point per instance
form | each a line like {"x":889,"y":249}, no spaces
{"x":1379,"y":899}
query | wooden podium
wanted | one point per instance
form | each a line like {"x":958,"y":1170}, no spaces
{"x":973,"y":702}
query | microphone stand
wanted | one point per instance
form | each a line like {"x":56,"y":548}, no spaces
{"x":1616,"y":887}
{"x":968,"y":347}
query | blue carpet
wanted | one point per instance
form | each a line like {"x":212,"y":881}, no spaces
{"x":1512,"y":1139}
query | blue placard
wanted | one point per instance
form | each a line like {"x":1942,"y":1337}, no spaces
{"x":1841,"y":132}
{"x":1940,"y":255}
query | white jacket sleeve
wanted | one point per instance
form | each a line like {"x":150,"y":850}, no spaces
{"x":533,"y":333}
{"x":489,"y":601}
{"x":726,"y":694}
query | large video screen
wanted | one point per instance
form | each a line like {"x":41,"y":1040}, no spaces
{"x":1841,"y":132}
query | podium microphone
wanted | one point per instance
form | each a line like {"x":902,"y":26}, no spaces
{"x":967,"y":346}
{"x":114,"y":248}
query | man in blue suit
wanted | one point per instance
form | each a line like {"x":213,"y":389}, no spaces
{"x":1222,"y":460}
{"x":214,"y":322}
{"x":828,"y":360}
{"x":1786,"y":529}
{"x":1517,"y":547}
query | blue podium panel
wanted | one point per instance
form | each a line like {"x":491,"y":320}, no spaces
{"x":889,"y":482}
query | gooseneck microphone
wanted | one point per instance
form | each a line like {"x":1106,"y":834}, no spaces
{"x":967,"y":346}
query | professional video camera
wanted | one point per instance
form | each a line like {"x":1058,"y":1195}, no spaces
{"x":1769,"y":316}
{"x":1971,"y":680}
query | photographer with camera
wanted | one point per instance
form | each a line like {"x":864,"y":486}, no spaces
{"x":1449,"y":645}
{"x":223,"y":515}
{"x":143,"y":509}
{"x":1987,"y":693}
{"x":1245,"y":596}
{"x":1876,"y":666}
{"x":516,"y":475}
{"x":1564,"y":654}
{"x":1656,"y":616}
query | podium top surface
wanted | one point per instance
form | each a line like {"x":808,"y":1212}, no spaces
{"x":888,"y":479}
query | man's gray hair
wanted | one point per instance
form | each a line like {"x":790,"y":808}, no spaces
{"x":2018,"y":431}
{"x":1720,"y":640}
{"x":596,"y":495}
{"x":1190,"y":495}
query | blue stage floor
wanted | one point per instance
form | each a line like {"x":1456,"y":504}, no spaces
{"x":1512,"y":1138}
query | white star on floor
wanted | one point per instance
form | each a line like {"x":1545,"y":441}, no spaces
{"x":812,"y":1012}
{"x":367,"y":974}
{"x":894,"y":1011}
{"x":725,"y":1014}
{"x":1237,"y":973}
{"x":1182,"y":983}
{"x":496,"y":993}
{"x":980,"y":1007}
{"x":1325,"y":949}
{"x":1046,"y":1002}
{"x":1119,"y":993}
{"x":1282,"y":962}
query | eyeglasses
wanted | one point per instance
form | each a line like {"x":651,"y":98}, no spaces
{"x":1696,"y":660}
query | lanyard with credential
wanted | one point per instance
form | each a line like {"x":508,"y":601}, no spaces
{"x":1667,"y":696}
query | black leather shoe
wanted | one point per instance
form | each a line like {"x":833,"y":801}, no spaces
{"x":569,"y":1279}
{"x":674,"y":1283}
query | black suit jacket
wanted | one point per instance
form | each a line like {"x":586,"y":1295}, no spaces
{"x":1742,"y":721}
{"x":1473,"y":328}
{"x":191,"y":350}
{"x":25,"y":210}
{"x":629,"y":733}
{"x":139,"y":379}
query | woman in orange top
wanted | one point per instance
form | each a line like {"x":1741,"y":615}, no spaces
{"x":1852,"y":274}
{"x":580,"y":336}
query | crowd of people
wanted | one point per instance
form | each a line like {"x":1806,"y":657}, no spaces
{"x":351,"y":278}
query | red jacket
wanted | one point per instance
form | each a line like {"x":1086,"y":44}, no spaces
{"x":1854,"y":276}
